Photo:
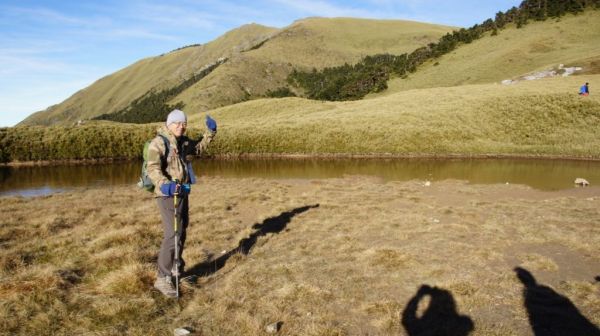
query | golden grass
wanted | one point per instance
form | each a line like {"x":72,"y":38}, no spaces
{"x":544,"y":117}
{"x":538,"y":46}
{"x":70,"y":264}
{"x":307,"y":43}
{"x":318,"y":42}
{"x":117,"y":90}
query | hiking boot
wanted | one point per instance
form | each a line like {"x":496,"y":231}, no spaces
{"x":165,"y":286}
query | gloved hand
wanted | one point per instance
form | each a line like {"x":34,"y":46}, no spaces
{"x":169,"y":188}
{"x":211,"y":124}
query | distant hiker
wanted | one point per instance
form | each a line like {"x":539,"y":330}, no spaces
{"x":169,"y":167}
{"x":584,"y":90}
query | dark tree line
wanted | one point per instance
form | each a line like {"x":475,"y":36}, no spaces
{"x":280,"y":93}
{"x":351,"y":82}
{"x":152,"y":106}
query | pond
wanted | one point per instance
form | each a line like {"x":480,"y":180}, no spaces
{"x":539,"y":174}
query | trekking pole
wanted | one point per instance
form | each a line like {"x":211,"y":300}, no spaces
{"x":176,"y":228}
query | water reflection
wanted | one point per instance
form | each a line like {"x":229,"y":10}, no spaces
{"x":539,"y":174}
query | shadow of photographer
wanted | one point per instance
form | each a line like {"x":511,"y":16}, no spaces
{"x":270,"y":225}
{"x":551,"y":314}
{"x":440,"y":317}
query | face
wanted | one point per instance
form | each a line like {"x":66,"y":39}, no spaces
{"x":178,"y":129}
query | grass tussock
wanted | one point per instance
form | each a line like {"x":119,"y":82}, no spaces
{"x":330,"y":257}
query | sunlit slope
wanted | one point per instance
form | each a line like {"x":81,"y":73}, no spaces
{"x":571,"y":40}
{"x":117,"y":90}
{"x":308,"y":43}
{"x":544,"y":117}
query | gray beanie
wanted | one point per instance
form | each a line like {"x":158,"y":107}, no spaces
{"x":176,"y":116}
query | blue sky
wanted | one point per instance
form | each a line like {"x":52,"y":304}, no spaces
{"x":51,"y":49}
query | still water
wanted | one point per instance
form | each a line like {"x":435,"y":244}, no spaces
{"x":539,"y":174}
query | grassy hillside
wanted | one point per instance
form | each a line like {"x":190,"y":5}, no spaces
{"x":306,"y":44}
{"x":534,"y":118}
{"x":572,"y":40}
{"x":116,"y":91}
{"x":544,"y":117}
{"x":253,"y":66}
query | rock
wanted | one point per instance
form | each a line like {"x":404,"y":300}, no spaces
{"x":582,"y":182}
{"x":273,"y":327}
{"x":427,"y":183}
{"x":182,"y":332}
{"x":560,"y":70}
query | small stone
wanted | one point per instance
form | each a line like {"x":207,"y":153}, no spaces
{"x":582,"y":182}
{"x":273,"y":327}
{"x":182,"y":332}
{"x":427,"y":183}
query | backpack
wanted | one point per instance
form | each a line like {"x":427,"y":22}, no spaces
{"x":145,"y":182}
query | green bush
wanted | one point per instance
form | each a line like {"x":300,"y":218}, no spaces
{"x":280,"y":93}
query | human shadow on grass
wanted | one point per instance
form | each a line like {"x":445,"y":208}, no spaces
{"x":440,"y":317}
{"x":270,"y":225}
{"x":551,"y":314}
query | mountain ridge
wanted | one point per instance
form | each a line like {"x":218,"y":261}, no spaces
{"x":256,"y":56}
{"x":115,"y":91}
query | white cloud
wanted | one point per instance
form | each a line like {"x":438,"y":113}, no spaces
{"x":174,"y":16}
{"x":138,"y":33}
{"x":53,"y":17}
{"x":323,"y":8}
{"x":13,"y":65}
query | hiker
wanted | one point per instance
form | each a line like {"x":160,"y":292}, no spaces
{"x":584,"y":90}
{"x":170,"y":170}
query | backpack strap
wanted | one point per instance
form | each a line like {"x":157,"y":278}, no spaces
{"x":179,"y":150}
{"x":166,"y":141}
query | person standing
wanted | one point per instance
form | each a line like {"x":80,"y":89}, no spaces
{"x":170,"y":170}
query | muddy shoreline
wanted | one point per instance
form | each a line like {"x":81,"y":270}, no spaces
{"x":329,"y":156}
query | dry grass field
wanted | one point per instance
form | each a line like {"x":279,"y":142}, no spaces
{"x":346,"y":256}
{"x":572,"y":40}
{"x":543,"y":117}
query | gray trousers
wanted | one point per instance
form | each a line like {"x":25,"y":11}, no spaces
{"x":166,"y":255}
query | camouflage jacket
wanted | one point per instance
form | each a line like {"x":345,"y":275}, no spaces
{"x":163,"y":167}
